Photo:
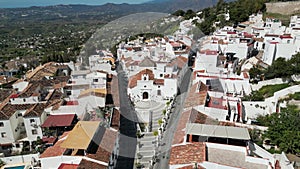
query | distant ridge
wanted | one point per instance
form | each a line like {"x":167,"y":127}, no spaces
{"x":168,"y":6}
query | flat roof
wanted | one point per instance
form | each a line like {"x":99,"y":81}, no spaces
{"x":217,"y":131}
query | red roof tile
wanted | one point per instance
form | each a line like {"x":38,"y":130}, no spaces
{"x":217,"y":103}
{"x":187,"y":154}
{"x":286,"y":36}
{"x":50,"y":140}
{"x":115,"y":91}
{"x":190,"y":116}
{"x":196,"y":95}
{"x":14,"y":96}
{"x":55,"y":150}
{"x":180,"y":133}
{"x":115,"y":120}
{"x":106,"y":146}
{"x":59,"y":120}
{"x":85,"y":164}
{"x":70,"y":103}
{"x":133,"y":79}
{"x":159,"y":82}
{"x":68,"y":166}
{"x":246,"y":76}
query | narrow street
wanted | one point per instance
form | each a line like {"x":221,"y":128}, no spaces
{"x":166,"y":143}
{"x":128,"y":141}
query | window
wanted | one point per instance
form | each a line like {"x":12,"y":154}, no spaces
{"x":32,"y":120}
{"x":34,"y":132}
{"x":145,"y":78}
{"x":3,"y":134}
{"x":1,"y":124}
{"x":161,"y":75}
{"x":24,"y":100}
{"x":68,"y":93}
{"x":158,"y":92}
{"x":288,"y":41}
{"x":17,"y":145}
{"x":95,"y":80}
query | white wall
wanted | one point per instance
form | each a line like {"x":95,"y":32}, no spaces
{"x":9,"y":133}
{"x":55,"y":162}
{"x":170,"y":88}
{"x":101,"y":77}
{"x":27,"y":100}
{"x":206,"y":62}
{"x":20,"y":85}
{"x":33,"y":126}
{"x":19,"y":159}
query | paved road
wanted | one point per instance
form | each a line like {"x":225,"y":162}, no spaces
{"x":166,"y":143}
{"x":128,"y":140}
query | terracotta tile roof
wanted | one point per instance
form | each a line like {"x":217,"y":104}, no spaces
{"x":7,"y":109}
{"x":72,"y":103}
{"x":246,"y":75}
{"x":115,"y":120}
{"x":113,"y":89}
{"x":36,"y":110}
{"x":133,"y":79}
{"x":201,"y":118}
{"x":68,"y":166}
{"x":209,"y":52}
{"x":180,"y":61}
{"x":85,"y":164}
{"x":196,"y":95}
{"x":188,"y":153}
{"x":106,"y":146}
{"x":30,"y":90}
{"x":49,"y":140}
{"x":180,"y":133}
{"x":55,"y":150}
{"x":5,"y":79}
{"x":5,"y":93}
{"x":59,"y":120}
{"x":39,"y":72}
{"x":190,"y":116}
{"x":159,"y":82}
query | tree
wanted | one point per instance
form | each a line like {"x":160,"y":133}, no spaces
{"x":179,"y":13}
{"x":255,"y":73}
{"x":283,"y":129}
{"x":189,"y":14}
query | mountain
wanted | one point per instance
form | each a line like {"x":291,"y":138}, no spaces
{"x":173,"y":5}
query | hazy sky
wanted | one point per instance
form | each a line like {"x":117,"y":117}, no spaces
{"x":28,"y":3}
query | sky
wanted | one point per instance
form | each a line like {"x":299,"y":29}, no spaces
{"x":28,"y":3}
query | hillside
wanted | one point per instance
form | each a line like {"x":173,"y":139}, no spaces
{"x":284,"y":8}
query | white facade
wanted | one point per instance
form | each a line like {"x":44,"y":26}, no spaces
{"x":27,"y":100}
{"x":20,"y":86}
{"x":33,"y":128}
{"x":7,"y":134}
{"x":97,"y":80}
{"x":207,"y":62}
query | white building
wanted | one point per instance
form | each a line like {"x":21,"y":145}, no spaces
{"x":144,"y":86}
